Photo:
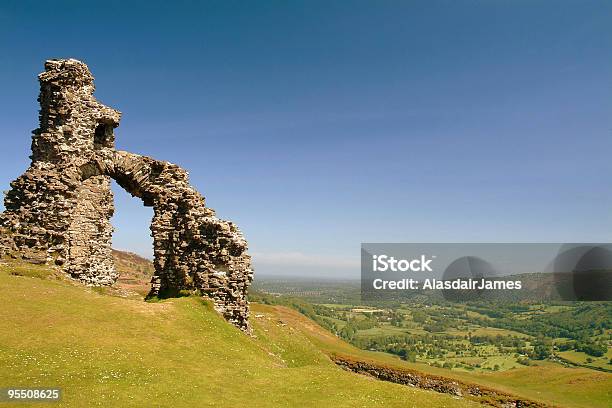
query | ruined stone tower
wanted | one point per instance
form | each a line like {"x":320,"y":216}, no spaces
{"x":62,"y":205}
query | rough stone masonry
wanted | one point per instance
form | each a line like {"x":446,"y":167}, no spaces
{"x":62,"y":205}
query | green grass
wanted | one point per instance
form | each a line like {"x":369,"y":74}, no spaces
{"x":339,"y":323}
{"x":545,"y":382}
{"x":20,"y":268}
{"x":110,"y":351}
{"x":339,"y":306}
{"x":579,"y":357}
{"x":487,"y":331}
{"x":382,"y":330}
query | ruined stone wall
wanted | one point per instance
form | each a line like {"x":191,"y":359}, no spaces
{"x":68,"y":221}
{"x":194,"y":250}
{"x":62,"y":205}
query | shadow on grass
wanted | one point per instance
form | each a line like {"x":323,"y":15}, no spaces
{"x":169,"y":294}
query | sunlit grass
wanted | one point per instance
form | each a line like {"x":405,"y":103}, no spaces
{"x":110,"y":351}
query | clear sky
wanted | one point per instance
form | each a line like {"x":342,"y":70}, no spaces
{"x":320,"y":125}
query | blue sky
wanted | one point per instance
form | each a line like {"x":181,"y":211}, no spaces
{"x":320,"y":125}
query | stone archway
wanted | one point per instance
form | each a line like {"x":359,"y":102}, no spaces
{"x":62,"y":205}
{"x":193,"y":249}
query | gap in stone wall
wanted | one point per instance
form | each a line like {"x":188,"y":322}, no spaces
{"x":103,"y":136}
{"x":131,"y":222}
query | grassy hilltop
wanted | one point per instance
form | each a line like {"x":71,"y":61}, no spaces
{"x":106,"y":347}
{"x":108,"y":350}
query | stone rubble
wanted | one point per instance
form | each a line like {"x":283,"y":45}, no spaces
{"x":62,"y":205}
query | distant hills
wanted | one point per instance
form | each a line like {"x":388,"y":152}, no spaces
{"x":134,"y":271}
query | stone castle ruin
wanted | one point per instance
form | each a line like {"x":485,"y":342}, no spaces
{"x":62,"y":205}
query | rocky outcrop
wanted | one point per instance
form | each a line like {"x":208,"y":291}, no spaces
{"x":435,"y":383}
{"x":62,"y":205}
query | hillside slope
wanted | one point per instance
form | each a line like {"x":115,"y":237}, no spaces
{"x":134,"y":272}
{"x":111,"y":351}
{"x":547,"y":383}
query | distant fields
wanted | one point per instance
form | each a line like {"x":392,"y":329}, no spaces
{"x":546,"y":382}
{"x":525,"y":348}
{"x":584,"y":359}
